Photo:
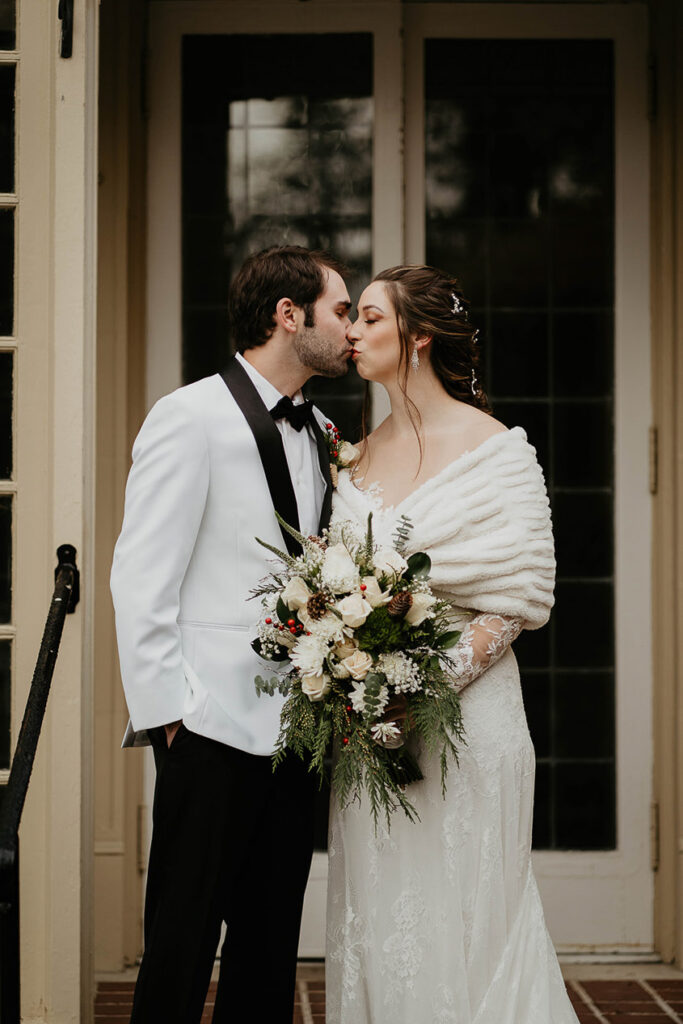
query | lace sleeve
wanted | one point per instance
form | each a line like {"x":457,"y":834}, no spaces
{"x":484,"y":640}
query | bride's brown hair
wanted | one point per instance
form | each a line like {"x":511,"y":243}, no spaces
{"x":429,"y":303}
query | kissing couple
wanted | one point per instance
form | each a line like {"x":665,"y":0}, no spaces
{"x":438,"y":920}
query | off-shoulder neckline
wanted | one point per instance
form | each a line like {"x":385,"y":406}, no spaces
{"x":374,"y":492}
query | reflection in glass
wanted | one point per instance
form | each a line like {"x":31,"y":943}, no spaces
{"x":277,"y":149}
{"x":519,"y":206}
{"x":5,"y":558}
{"x":6,"y":272}
{"x":5,"y":701}
{"x":7,"y":76}
{"x":6,"y":404}
{"x":8,"y":25}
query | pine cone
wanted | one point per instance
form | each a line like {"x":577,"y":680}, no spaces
{"x":400,"y":604}
{"x":316,"y":606}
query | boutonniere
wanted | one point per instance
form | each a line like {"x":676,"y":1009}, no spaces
{"x":342,"y":453}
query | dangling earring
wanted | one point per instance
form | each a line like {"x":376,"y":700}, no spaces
{"x":474,"y":385}
{"x":415,"y":359}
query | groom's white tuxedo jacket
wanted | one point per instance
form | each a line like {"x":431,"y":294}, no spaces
{"x":208,"y":469}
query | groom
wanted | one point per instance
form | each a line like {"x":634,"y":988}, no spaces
{"x":232,"y":840}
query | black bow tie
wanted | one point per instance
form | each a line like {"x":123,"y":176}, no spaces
{"x":298,"y":415}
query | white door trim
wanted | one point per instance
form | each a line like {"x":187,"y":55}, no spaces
{"x":614,"y":890}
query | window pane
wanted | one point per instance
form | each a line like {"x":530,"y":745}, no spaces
{"x":519,"y":206}
{"x":7,"y":74}
{"x":277,"y":149}
{"x":5,"y":557}
{"x":8,"y":27}
{"x":6,"y":403}
{"x":5,"y":701}
{"x":6,"y":272}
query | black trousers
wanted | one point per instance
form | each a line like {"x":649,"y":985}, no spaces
{"x":232,"y":841}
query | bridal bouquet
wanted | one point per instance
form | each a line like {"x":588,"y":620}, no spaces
{"x":361,"y":638}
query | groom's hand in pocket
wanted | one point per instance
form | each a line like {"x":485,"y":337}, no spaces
{"x":171,"y":730}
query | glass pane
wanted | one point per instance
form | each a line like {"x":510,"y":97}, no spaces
{"x":5,"y":557}
{"x":277,"y":148}
{"x":6,"y":272}
{"x":7,"y":74}
{"x":519,"y":191}
{"x":8,"y":25}
{"x":5,"y":701}
{"x":6,"y":403}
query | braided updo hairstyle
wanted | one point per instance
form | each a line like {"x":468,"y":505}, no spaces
{"x":428,"y":302}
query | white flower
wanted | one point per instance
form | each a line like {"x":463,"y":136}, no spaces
{"x":354,"y":610}
{"x":358,"y":664}
{"x":357,"y":698}
{"x":388,"y":562}
{"x":347,"y":454}
{"x":339,"y":571}
{"x":388,"y":734}
{"x":296,"y":593}
{"x":327,"y":627}
{"x":373,"y":593}
{"x":315,"y":685}
{"x":309,"y":654}
{"x":420,"y":609}
{"x":401,"y":671}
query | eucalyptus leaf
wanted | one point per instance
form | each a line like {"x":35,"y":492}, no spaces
{"x":449,"y":639}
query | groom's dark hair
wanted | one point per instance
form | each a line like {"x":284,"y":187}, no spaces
{"x":283,"y":271}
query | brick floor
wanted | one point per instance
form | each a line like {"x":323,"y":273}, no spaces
{"x":612,"y":1001}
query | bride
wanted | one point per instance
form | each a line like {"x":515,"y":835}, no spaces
{"x":440,"y":922}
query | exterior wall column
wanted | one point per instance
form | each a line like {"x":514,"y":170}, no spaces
{"x":667,"y":375}
{"x":55,"y":284}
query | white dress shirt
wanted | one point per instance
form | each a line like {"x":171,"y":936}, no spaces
{"x":301,"y":453}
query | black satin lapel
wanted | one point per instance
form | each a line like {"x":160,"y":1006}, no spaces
{"x":324,"y":459}
{"x":269,"y":443}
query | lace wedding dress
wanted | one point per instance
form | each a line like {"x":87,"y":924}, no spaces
{"x":440,"y":922}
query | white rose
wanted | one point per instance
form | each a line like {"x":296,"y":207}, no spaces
{"x":339,"y":571}
{"x":388,"y":562}
{"x":373,"y":593}
{"x":358,"y":664}
{"x":354,"y":610}
{"x":309,"y":654}
{"x":420,"y":609}
{"x":296,"y":593}
{"x":347,"y":454}
{"x":315,"y":685}
{"x":345,"y":648}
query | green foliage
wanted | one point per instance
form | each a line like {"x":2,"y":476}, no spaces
{"x":380,"y":632}
{"x":275,"y":684}
{"x":419,"y":566}
{"x":369,"y":542}
{"x":402,"y":534}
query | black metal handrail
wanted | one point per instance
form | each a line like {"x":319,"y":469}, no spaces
{"x":64,"y":599}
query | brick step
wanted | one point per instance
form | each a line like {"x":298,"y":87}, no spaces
{"x":658,"y":1001}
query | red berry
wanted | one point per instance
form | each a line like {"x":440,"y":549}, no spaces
{"x":349,"y":707}
{"x":307,"y":633}
{"x":329,"y":426}
{"x":345,"y":740}
{"x":292,"y":629}
{"x":268,"y":622}
{"x":291,"y":622}
{"x":363,"y":586}
{"x":280,"y":626}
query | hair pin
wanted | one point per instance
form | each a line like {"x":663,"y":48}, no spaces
{"x":457,"y":306}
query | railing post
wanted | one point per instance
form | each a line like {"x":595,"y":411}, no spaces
{"x":10,"y":1001}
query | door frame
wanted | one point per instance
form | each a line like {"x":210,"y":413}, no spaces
{"x":169,"y":22}
{"x":616,"y":885}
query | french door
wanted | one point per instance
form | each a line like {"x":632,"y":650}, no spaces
{"x":507,"y":144}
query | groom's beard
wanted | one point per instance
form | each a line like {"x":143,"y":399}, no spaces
{"x":319,"y":354}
